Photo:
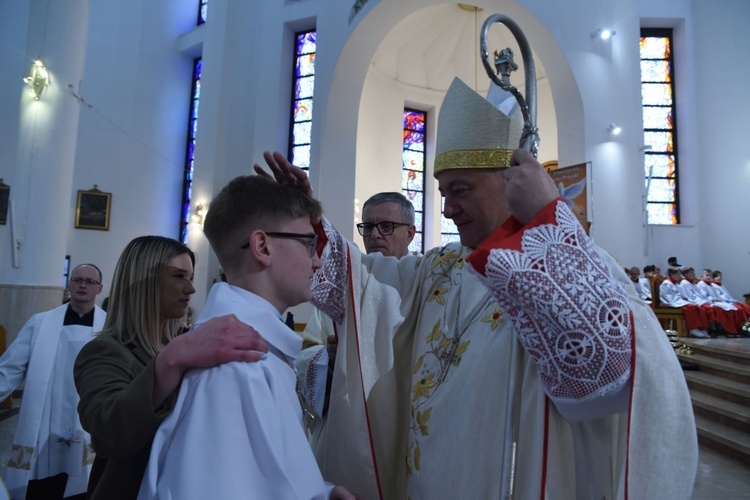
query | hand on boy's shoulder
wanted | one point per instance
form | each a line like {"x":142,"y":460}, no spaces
{"x":221,"y":340}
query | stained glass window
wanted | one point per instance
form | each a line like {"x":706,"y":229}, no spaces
{"x":187,"y":186}
{"x":202,"y":11}
{"x":659,"y":131}
{"x":300,"y":133}
{"x":412,"y":171}
{"x":448,"y":230}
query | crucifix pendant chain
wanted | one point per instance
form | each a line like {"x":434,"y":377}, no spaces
{"x":449,"y":357}
{"x":310,"y":416}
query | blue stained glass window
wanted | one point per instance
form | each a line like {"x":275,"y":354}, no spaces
{"x":306,"y":42}
{"x":202,"y":11}
{"x":412,"y":180}
{"x":412,"y":170}
{"x":304,"y":87}
{"x":659,"y":130}
{"x":303,"y":110}
{"x":414,"y":140}
{"x":300,"y":130}
{"x":414,"y":159}
{"x":305,"y":65}
{"x":414,"y":120}
{"x":187,"y":183}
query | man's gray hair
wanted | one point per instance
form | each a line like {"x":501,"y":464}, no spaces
{"x":407,"y":209}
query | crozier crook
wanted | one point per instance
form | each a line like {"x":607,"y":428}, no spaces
{"x":503,"y":66}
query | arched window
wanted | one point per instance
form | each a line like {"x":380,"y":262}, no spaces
{"x":300,"y":132}
{"x":202,"y":11}
{"x":412,"y":169}
{"x":659,"y":126}
{"x":187,"y":185}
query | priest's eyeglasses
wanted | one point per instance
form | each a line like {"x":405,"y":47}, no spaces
{"x":310,"y":240}
{"x":87,"y":281}
{"x":385,"y":227}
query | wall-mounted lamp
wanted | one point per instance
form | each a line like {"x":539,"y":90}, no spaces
{"x":37,"y":80}
{"x":614,"y":129}
{"x":199,"y":213}
{"x":603,"y":34}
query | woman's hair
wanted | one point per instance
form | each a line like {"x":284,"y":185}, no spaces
{"x":135,"y":296}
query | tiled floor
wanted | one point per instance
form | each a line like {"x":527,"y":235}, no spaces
{"x":718,"y":478}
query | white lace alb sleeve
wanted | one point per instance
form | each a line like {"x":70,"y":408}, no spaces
{"x":571,"y":315}
{"x":329,"y":282}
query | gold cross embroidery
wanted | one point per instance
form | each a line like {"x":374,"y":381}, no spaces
{"x":20,"y":457}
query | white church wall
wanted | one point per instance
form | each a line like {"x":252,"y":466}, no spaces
{"x":13,"y":57}
{"x":131,"y":139}
{"x":722,"y":107}
{"x":41,"y":173}
{"x":379,"y":141}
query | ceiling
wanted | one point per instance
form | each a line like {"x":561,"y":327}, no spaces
{"x":427,"y":49}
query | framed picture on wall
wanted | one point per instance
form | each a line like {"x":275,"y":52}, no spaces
{"x":4,"y":196}
{"x":92,"y":209}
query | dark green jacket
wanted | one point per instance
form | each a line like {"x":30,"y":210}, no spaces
{"x":115,"y":383}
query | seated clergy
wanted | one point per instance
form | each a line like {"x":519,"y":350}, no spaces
{"x":696,"y":319}
{"x":642,"y":286}
{"x":717,"y":312}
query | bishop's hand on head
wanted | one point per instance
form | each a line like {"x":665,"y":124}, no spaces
{"x":284,"y":172}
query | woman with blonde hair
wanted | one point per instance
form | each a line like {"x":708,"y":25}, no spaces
{"x":128,"y":377}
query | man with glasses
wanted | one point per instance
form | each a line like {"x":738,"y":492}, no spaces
{"x":428,"y":399}
{"x":50,"y":451}
{"x":387,"y":224}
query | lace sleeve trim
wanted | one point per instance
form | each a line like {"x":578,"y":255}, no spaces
{"x":330,"y":281}
{"x":571,"y":315}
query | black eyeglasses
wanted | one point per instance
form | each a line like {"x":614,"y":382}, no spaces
{"x":385,"y":227}
{"x":88,"y":281}
{"x":311,"y":241}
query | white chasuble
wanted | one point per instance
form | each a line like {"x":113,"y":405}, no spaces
{"x":420,"y":389}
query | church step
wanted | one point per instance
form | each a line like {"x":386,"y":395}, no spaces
{"x":731,"y":390}
{"x":736,"y":350}
{"x":737,"y":371}
{"x":721,"y":437}
{"x":720,"y":410}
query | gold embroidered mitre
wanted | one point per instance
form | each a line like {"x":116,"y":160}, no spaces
{"x":472,"y":133}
